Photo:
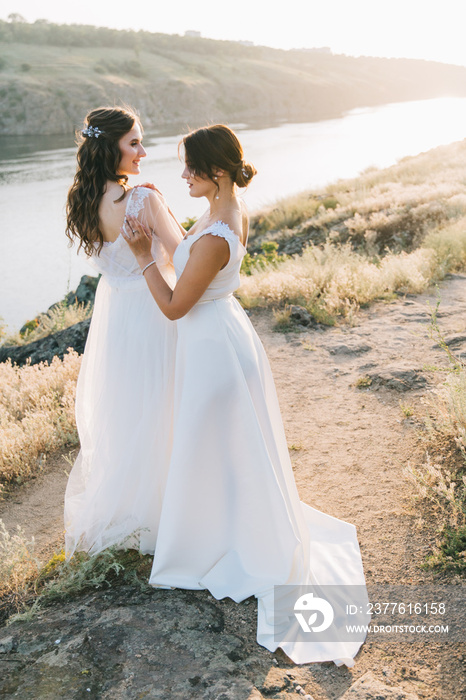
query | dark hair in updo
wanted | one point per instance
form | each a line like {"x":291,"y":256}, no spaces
{"x":213,"y":147}
{"x":98,"y":161}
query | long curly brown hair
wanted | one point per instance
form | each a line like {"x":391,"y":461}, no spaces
{"x":98,"y":159}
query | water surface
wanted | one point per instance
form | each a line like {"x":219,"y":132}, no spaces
{"x":37,"y":267}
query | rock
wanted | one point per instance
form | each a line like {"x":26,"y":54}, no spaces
{"x":349,"y":348}
{"x":53,"y":345}
{"x":397,"y":378}
{"x":455,"y":340}
{"x":84,"y":294}
{"x":300,"y":315}
{"x":369,"y":688}
{"x":85,"y":291}
{"x":125,"y":643}
{"x":6,"y":644}
{"x":275,"y":681}
{"x":294,"y":246}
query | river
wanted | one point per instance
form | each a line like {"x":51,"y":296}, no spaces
{"x":37,"y":267}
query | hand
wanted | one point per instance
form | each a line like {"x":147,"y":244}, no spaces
{"x":139,"y":239}
{"x":150,"y":186}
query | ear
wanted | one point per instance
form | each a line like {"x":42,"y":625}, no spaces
{"x":218,"y":172}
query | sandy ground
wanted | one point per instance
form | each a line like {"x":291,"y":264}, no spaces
{"x":349,"y":447}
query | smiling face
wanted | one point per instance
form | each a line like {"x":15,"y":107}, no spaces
{"x":131,"y":150}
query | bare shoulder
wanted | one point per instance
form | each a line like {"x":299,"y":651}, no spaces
{"x":237,"y":221}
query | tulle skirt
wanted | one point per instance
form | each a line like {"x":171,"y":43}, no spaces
{"x":124,"y":418}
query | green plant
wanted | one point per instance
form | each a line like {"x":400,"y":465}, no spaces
{"x":261,"y":261}
{"x":61,"y":579}
{"x":283,"y":322}
{"x":451,"y":552}
{"x":330,"y":202}
{"x":188,"y":223}
{"x":406,"y":410}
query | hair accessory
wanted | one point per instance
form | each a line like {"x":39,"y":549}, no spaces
{"x":92,"y":131}
{"x":243,"y":170}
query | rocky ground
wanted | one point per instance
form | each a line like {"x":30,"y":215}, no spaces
{"x":349,"y":442}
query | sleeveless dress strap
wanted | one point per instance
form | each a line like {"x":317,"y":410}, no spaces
{"x":218,"y":228}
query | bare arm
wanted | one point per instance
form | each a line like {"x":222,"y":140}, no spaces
{"x":208,"y":255}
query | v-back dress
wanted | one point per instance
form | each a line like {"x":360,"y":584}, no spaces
{"x":123,"y":406}
{"x":231,"y":519}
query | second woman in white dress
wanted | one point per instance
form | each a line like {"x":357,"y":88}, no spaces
{"x":231,"y":519}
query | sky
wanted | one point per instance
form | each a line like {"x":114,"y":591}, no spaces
{"x":426,"y":29}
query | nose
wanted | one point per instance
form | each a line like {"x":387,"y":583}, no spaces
{"x":186,"y":174}
{"x":142,"y":151}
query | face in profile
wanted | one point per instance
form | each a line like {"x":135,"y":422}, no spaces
{"x":198,"y":185}
{"x":131,"y":150}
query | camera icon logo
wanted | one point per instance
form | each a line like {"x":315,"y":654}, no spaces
{"x":311,"y":606}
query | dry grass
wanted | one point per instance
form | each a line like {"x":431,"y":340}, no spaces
{"x":394,"y":208}
{"x":337,"y":281}
{"x":389,"y":231}
{"x":441,"y":480}
{"x":18,"y":569}
{"x":36,"y":414}
{"x":27,"y":585}
{"x":61,"y":316}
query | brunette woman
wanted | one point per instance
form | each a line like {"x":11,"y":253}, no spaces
{"x":231,"y":519}
{"x":125,"y":386}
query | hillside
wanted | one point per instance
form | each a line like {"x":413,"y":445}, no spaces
{"x":50,"y":75}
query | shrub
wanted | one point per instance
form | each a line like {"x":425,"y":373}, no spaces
{"x":60,"y":316}
{"x":36,"y":414}
{"x":441,"y":482}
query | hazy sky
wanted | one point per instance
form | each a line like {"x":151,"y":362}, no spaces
{"x":430,"y":29}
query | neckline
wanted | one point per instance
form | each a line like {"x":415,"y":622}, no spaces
{"x":222,"y":223}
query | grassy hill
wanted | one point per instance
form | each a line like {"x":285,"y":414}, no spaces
{"x":50,"y":75}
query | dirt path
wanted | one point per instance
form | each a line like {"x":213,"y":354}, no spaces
{"x":349,"y":447}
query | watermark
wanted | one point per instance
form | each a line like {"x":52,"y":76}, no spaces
{"x":351,"y":613}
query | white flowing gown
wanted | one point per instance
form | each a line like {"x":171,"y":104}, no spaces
{"x":231,"y":519}
{"x":123,"y":402}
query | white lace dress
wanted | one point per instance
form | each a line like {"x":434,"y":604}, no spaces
{"x":123,"y":406}
{"x":231,"y":519}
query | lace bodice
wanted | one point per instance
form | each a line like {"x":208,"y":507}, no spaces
{"x":116,"y":261}
{"x":228,"y":279}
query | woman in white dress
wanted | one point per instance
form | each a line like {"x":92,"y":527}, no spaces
{"x":231,"y":519}
{"x":125,"y":387}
